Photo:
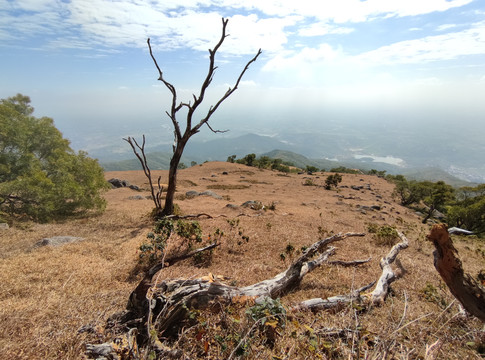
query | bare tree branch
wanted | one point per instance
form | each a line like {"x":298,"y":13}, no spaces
{"x":156,"y":196}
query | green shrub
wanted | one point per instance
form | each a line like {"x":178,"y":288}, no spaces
{"x":386,"y":235}
{"x":153,"y":250}
{"x":333,"y":181}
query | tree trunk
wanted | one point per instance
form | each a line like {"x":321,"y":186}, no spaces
{"x":468,"y":291}
{"x":172,"y":178}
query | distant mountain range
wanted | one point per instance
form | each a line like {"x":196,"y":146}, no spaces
{"x":221,"y":149}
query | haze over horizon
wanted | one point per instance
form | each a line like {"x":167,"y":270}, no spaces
{"x":394,"y":66}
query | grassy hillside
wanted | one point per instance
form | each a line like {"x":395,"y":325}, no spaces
{"x":49,"y":293}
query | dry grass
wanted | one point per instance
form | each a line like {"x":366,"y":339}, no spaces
{"x":47,"y":294}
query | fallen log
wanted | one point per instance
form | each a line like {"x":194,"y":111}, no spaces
{"x":465,"y":289}
{"x":376,"y":297}
{"x":158,"y":309}
{"x":171,"y":300}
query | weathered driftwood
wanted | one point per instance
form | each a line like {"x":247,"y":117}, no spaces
{"x":388,"y":276}
{"x":468,"y":291}
{"x":376,"y":297}
{"x":164,"y":305}
{"x":170,"y":300}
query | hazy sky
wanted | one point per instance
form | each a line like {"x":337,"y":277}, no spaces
{"x":85,"y":62}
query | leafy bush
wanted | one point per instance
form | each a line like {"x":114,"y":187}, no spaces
{"x":333,"y":181}
{"x":345,"y":170}
{"x":154,"y":250}
{"x":310,"y":168}
{"x":309,"y":182}
{"x":384,"y":235}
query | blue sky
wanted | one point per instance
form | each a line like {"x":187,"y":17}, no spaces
{"x":85,"y":62}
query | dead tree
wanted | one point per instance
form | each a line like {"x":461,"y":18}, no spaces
{"x":159,"y":307}
{"x":468,"y":291}
{"x":191,"y":127}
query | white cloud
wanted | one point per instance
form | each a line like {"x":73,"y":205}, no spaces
{"x":322,"y":28}
{"x":305,"y":57}
{"x":196,"y":23}
{"x":446,"y":27}
{"x":431,"y":48}
{"x":346,"y":10}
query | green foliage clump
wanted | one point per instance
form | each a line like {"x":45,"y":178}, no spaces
{"x":374,"y":172}
{"x":154,"y":249}
{"x":247,"y":160}
{"x":384,"y":235}
{"x":310,"y":168}
{"x":309,"y":182}
{"x":468,"y":209}
{"x":263,"y":162}
{"x":189,"y":230}
{"x":433,"y":195}
{"x":268,"y":310}
{"x":430,"y":293}
{"x":333,"y":181}
{"x":41,"y":177}
{"x":345,"y":170}
{"x":231,"y":159}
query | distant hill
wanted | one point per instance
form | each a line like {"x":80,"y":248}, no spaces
{"x":161,"y":161}
{"x":435,"y":174}
{"x":156,"y":161}
{"x":220,"y":149}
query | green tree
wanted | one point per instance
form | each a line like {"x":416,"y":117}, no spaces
{"x":40,"y":175}
{"x":311,"y":168}
{"x":468,"y":211}
{"x":264,"y":162}
{"x":435,"y":196}
{"x":248,"y":160}
{"x":408,"y":192}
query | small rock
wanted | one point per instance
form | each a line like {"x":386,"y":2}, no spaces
{"x":255,"y":205}
{"x":232,"y":206}
{"x":57,"y":241}
{"x":191,"y":194}
{"x":225,"y":173}
{"x":211,"y":193}
{"x":136,"y":197}
{"x":4,"y":226}
{"x":134,"y":187}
